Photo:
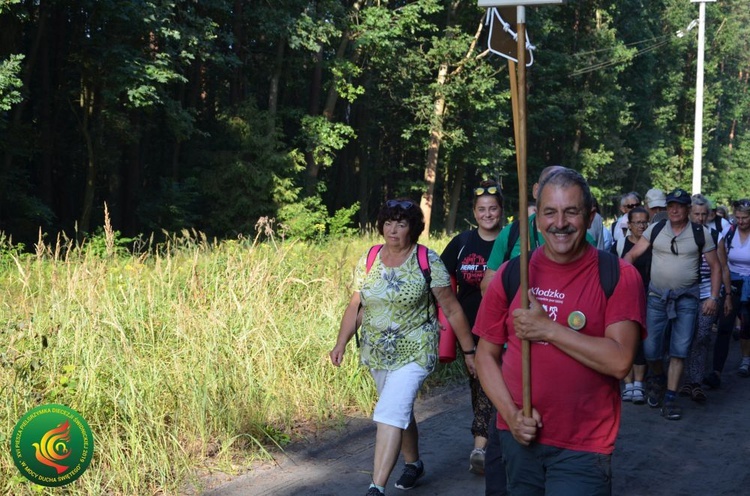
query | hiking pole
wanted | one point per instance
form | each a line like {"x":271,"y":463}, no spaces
{"x":523,"y":201}
{"x":501,"y":45}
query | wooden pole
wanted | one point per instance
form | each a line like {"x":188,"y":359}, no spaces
{"x":523,"y":204}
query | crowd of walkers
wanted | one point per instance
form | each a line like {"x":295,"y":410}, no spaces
{"x":637,"y":302}
{"x":694,"y":260}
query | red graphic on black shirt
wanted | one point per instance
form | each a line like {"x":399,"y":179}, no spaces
{"x":472,"y":268}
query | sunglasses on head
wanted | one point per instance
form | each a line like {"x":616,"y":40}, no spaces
{"x":492,"y":190}
{"x":742,"y":204}
{"x":632,"y":205}
{"x":404,"y":204}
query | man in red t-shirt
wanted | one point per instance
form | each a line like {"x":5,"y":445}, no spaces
{"x":583,"y":343}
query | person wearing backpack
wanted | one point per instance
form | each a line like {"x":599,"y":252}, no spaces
{"x":674,"y":296}
{"x":737,"y":244}
{"x":507,"y":246}
{"x":583,"y":341}
{"x":399,"y":341}
{"x":465,"y":257}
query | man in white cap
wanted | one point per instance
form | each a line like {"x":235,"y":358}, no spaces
{"x":656,"y":202}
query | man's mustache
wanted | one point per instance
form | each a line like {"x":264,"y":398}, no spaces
{"x":564,"y":230}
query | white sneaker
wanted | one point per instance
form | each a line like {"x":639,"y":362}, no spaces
{"x":638,"y":397}
{"x":627,"y":394}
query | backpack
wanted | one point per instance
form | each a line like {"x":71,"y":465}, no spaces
{"x":424,"y":266}
{"x":609,"y":274}
{"x":717,"y":223}
{"x":515,"y":233}
{"x":729,"y":236}
{"x":698,"y":234}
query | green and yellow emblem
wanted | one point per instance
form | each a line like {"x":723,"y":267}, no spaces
{"x":52,"y":445}
{"x":576,"y":320}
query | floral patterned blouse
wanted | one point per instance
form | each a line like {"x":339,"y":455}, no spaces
{"x":399,"y":325}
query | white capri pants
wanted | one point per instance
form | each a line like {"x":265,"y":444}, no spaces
{"x":397,"y":391}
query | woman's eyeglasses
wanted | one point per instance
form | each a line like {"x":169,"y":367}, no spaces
{"x":640,"y":223}
{"x":673,"y":246}
{"x":631,"y":206}
{"x":404,"y":204}
{"x":492,"y":190}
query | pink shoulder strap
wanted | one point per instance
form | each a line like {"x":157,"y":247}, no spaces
{"x":371,"y":255}
{"x":424,"y":262}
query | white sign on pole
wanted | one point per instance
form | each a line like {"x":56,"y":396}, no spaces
{"x":509,"y":3}
{"x":503,"y":39}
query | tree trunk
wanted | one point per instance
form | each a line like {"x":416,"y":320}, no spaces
{"x":436,"y":130}
{"x":45,"y":126}
{"x":131,"y":187}
{"x":313,"y":168}
{"x":26,"y":74}
{"x":311,"y":178}
{"x":433,"y":152}
{"x":333,"y":95}
{"x":87,"y":104}
{"x":455,"y":198}
{"x":273,"y":87}
{"x":236,"y":86}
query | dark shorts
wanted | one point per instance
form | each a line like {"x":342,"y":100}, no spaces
{"x":541,"y":470}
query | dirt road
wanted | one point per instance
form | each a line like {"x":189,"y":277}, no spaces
{"x":705,"y":453}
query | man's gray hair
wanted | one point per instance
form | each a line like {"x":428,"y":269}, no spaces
{"x":565,"y":178}
{"x":698,"y":200}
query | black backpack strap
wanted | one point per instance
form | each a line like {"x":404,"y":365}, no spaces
{"x":513,"y":235}
{"x":717,"y":222}
{"x":609,"y":272}
{"x":715,"y":236}
{"x":535,"y":232}
{"x":700,"y":236}
{"x":657,"y":229}
{"x":512,"y":278}
{"x":730,"y":235}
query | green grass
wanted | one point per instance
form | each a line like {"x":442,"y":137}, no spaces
{"x":195,"y":357}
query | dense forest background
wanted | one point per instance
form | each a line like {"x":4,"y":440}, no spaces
{"x":213,"y":114}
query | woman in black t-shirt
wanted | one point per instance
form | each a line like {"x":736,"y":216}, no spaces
{"x":466,"y":257}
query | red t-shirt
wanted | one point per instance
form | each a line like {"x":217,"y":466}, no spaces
{"x":580,"y":407}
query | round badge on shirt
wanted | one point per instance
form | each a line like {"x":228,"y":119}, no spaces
{"x":576,"y":320}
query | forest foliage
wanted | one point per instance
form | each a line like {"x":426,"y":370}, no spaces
{"x":212,"y":115}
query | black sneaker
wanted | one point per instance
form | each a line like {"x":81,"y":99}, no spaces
{"x":410,"y":476}
{"x":671,"y":411}
{"x":655,"y":392}
{"x":374,"y":491}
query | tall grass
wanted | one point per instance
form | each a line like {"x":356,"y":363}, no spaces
{"x":194,"y":357}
